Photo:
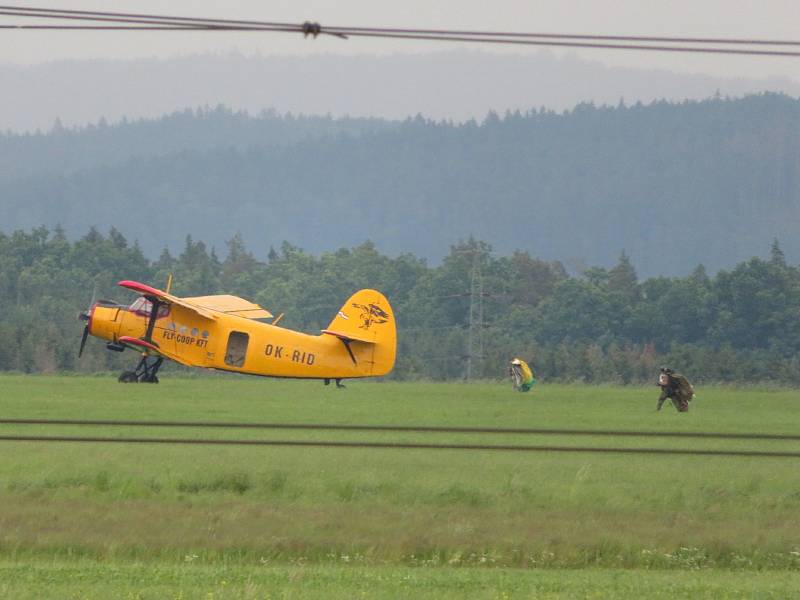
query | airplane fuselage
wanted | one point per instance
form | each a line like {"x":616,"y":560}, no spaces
{"x":239,"y":344}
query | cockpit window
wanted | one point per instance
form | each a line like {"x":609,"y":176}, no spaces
{"x":142,"y":306}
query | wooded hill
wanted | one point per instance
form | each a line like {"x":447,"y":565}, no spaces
{"x":673,"y":185}
{"x":740,"y":325}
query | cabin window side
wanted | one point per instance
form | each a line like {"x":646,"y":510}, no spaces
{"x":237,"y":349}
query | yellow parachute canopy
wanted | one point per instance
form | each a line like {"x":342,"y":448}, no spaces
{"x":521,"y":375}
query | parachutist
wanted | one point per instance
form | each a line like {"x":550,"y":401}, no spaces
{"x":521,"y":375}
{"x":675,"y":387}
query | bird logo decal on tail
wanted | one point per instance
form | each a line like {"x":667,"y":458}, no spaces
{"x":371,"y":313}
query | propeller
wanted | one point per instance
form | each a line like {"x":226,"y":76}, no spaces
{"x":85,"y":316}
{"x":83,"y":339}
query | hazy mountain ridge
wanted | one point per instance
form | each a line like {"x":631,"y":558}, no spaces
{"x":63,"y":150}
{"x":674,"y":185}
{"x":459,"y":84}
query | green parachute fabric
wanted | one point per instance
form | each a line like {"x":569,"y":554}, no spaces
{"x":521,"y":375}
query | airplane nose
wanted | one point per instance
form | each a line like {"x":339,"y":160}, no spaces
{"x":87,"y":317}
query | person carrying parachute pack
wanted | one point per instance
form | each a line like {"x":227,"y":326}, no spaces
{"x":521,"y":375}
{"x":675,"y":387}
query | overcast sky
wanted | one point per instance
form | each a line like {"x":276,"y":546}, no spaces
{"x":729,"y":18}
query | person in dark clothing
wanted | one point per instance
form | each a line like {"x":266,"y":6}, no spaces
{"x":675,"y":387}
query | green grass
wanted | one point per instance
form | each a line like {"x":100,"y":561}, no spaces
{"x":100,"y":581}
{"x":299,"y":510}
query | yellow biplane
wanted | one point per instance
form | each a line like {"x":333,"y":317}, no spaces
{"x":231,"y":334}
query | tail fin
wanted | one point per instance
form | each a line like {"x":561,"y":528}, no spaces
{"x":366,"y":325}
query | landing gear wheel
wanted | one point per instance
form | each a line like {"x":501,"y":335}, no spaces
{"x":145,"y":371}
{"x":128,"y":377}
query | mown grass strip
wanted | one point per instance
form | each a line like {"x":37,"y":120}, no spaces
{"x":398,"y":445}
{"x":404,"y":428}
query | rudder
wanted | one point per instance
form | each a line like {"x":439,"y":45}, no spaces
{"x":365,"y":319}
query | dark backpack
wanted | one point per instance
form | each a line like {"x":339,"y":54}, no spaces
{"x":685,"y":388}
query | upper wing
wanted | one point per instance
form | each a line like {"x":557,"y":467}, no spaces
{"x":162,"y":296}
{"x":231,"y":305}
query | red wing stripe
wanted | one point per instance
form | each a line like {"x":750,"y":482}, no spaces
{"x":141,"y":344}
{"x":126,"y":339}
{"x":141,"y":288}
{"x":164,"y":297}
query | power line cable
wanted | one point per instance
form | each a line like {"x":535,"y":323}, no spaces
{"x":644,"y":43}
{"x":198,"y":21}
{"x":104,"y":27}
{"x":167,"y":23}
{"x":91,"y":15}
{"x":531,"y":42}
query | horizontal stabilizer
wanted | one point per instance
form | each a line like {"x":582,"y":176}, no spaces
{"x":351,"y":337}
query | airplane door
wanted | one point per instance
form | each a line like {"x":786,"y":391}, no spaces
{"x":237,"y":349}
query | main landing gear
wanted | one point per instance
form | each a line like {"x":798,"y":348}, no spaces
{"x":145,"y":371}
{"x":339,"y":383}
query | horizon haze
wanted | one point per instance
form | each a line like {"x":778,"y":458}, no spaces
{"x":454,"y":85}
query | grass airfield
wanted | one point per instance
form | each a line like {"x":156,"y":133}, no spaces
{"x":147,"y":521}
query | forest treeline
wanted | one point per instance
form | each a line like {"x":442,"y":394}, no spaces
{"x":478,"y":307}
{"x":675,"y":184}
{"x":64,"y":150}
